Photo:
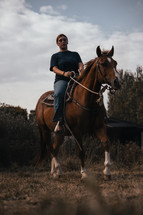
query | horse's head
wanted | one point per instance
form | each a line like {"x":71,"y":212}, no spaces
{"x":107,"y":68}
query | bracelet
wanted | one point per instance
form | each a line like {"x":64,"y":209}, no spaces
{"x":63,"y":73}
{"x":68,"y":75}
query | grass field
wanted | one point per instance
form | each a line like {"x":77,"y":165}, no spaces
{"x":30,"y":190}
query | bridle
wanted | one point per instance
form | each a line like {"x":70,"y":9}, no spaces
{"x":98,"y":69}
{"x":112,"y":91}
{"x":100,"y":93}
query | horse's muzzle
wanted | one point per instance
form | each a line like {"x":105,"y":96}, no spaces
{"x":117,"y":84}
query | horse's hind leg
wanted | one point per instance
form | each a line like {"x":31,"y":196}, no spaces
{"x":56,"y":170}
{"x":45,"y":143}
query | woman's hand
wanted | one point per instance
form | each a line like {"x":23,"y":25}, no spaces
{"x":68,"y":74}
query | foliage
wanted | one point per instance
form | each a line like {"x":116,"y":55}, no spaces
{"x":18,"y":135}
{"x":127,"y":103}
{"x":20,"y":143}
{"x":13,"y":111}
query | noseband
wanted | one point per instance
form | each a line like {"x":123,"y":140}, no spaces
{"x":112,"y":91}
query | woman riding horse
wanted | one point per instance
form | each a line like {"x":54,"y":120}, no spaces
{"x":62,"y":63}
{"x":83,"y":115}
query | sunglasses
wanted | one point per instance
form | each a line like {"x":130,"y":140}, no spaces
{"x":60,"y":40}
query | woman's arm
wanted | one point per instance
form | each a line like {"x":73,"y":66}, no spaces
{"x":60,"y":72}
{"x":80,"y":67}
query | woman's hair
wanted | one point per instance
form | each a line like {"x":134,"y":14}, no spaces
{"x":60,"y":35}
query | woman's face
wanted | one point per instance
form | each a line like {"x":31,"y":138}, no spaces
{"x":62,"y":43}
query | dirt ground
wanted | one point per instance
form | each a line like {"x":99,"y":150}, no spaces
{"x":30,"y":190}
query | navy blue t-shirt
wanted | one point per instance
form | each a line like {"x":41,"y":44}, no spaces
{"x":65,"y":61}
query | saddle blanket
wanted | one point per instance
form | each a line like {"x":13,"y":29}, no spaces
{"x":49,"y":100}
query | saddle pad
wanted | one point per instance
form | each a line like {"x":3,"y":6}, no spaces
{"x":49,"y":100}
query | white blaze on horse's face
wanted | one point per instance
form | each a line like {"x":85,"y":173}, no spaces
{"x":109,"y":59}
{"x":108,"y":68}
{"x":116,"y":82}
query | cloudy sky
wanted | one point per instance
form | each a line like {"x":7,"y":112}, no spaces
{"x":28,"y":29}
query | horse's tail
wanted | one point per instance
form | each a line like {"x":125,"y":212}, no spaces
{"x":45,"y":144}
{"x":45,"y":134}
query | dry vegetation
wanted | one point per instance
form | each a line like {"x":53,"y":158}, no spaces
{"x":29,"y":190}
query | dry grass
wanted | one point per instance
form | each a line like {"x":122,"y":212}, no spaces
{"x":33,"y":191}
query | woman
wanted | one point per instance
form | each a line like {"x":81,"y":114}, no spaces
{"x":62,"y":64}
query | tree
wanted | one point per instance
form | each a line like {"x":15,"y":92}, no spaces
{"x":127,"y":103}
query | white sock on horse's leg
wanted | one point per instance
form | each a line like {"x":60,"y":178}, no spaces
{"x":53,"y":170}
{"x":55,"y":167}
{"x":83,"y":173}
{"x":58,"y":167}
{"x":107,"y":163}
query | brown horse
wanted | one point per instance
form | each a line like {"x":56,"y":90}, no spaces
{"x":83,"y":115}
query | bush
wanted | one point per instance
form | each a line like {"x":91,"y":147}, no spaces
{"x":19,"y":137}
{"x":20,"y":142}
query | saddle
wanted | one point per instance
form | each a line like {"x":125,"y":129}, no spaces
{"x":49,"y":100}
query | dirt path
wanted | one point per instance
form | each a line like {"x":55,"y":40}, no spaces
{"x":28,"y":190}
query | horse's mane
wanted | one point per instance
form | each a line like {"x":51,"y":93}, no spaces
{"x":87,"y":66}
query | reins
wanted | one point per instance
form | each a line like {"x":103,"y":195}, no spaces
{"x":100,"y":93}
{"x":84,"y":86}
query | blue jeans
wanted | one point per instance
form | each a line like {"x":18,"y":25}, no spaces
{"x":59,"y":93}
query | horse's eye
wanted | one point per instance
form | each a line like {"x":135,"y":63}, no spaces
{"x":104,"y":64}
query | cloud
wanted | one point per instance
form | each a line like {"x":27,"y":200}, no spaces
{"x":53,"y":11}
{"x":27,"y":41}
{"x":63,"y":7}
{"x":48,"y":9}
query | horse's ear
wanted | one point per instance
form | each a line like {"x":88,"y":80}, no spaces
{"x":111,"y":52}
{"x":98,"y":51}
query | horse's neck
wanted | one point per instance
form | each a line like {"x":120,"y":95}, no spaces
{"x":90,"y":81}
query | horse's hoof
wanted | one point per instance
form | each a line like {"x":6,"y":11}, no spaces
{"x":83,"y":176}
{"x":107,"y":177}
{"x":59,"y":171}
{"x":55,"y":176}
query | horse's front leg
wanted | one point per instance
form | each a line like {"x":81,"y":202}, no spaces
{"x":107,"y":164}
{"x":56,"y":170}
{"x":101,"y":134}
{"x":83,"y":170}
{"x":78,"y":140}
